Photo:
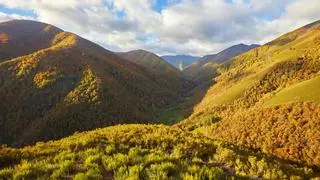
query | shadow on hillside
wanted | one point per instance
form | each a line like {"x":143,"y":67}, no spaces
{"x":195,"y":96}
{"x":192,"y":95}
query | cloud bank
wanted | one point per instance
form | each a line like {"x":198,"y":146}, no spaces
{"x":195,"y":27}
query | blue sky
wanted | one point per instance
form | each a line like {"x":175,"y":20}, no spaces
{"x":195,"y":27}
{"x":22,"y":12}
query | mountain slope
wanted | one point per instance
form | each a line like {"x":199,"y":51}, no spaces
{"x":159,"y":67}
{"x":262,"y":98}
{"x":74,"y":85}
{"x":180,"y":60}
{"x":150,"y":61}
{"x":143,"y":152}
{"x":17,"y":40}
{"x":204,"y":68}
{"x":304,"y":91}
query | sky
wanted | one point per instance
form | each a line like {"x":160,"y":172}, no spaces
{"x":168,"y":27}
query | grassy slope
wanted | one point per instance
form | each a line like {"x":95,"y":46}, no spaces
{"x":142,"y":152}
{"x":305,"y":91}
{"x":243,"y":72}
{"x":170,"y":115}
{"x":274,"y":74}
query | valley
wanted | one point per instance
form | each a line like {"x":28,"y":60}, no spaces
{"x":71,"y":109}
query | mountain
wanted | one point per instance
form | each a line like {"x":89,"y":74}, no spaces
{"x":17,"y":40}
{"x":204,"y":68}
{"x":228,"y":53}
{"x":159,"y":67}
{"x":259,"y":119}
{"x":268,"y":99}
{"x":144,"y":152}
{"x":60,"y":83}
{"x":180,"y":61}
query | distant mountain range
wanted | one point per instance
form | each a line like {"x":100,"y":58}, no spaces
{"x":203,"y":69}
{"x":180,"y":61}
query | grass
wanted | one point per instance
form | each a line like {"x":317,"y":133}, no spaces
{"x":235,"y":91}
{"x":170,"y":115}
{"x":304,"y":91}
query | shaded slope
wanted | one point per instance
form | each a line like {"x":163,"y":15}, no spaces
{"x":162,"y":69}
{"x":19,"y":38}
{"x":74,"y":85}
{"x":150,"y":61}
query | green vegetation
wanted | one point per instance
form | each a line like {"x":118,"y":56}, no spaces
{"x":62,"y":83}
{"x":143,"y":152}
{"x":259,"y":119}
{"x":267,"y":99}
{"x":171,"y":115}
{"x":305,"y":91}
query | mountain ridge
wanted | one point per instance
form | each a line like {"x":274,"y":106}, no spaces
{"x":78,"y":84}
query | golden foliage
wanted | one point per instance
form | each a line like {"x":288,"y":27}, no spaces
{"x":88,"y":90}
{"x":4,"y":38}
{"x":143,"y":152}
{"x":45,"y":78}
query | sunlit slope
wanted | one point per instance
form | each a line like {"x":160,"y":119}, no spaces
{"x":289,"y":131}
{"x":205,"y":68}
{"x":308,"y":90}
{"x":75,"y":85}
{"x":268,"y":98}
{"x":246,"y":79}
{"x":143,"y":152}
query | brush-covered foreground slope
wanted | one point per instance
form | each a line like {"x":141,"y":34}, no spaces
{"x":158,"y":66}
{"x":74,"y":85}
{"x":143,"y":152}
{"x":262,"y":98}
{"x":204,"y":68}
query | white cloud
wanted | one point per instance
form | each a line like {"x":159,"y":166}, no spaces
{"x":183,"y":27}
{"x":6,"y":17}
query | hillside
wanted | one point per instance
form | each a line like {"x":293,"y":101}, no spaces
{"x":17,"y":40}
{"x":144,"y":152}
{"x":73,"y":85}
{"x":204,"y":68}
{"x":150,"y":61}
{"x":180,"y":60}
{"x":267,"y":98}
{"x":159,"y":67}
